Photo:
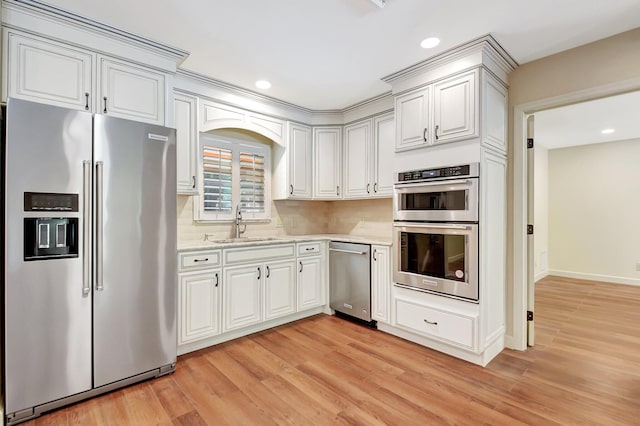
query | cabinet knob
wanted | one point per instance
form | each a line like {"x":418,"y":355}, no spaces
{"x":217,"y":279}
{"x":437,"y":127}
{"x":300,"y":266}
{"x":375,"y":187}
{"x":86,"y":101}
{"x":424,"y":134}
{"x":374,"y":255}
{"x":290,"y":189}
{"x":105,"y":105}
{"x":368,"y":188}
{"x":337,"y":190}
{"x":259,"y":273}
{"x":193,"y":178}
{"x":268,"y":272}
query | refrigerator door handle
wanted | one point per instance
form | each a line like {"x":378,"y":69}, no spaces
{"x":86,"y":227}
{"x":99,"y":212}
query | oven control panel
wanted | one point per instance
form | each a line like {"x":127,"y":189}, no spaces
{"x":465,"y":170}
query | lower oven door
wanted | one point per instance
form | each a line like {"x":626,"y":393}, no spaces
{"x":438,"y":257}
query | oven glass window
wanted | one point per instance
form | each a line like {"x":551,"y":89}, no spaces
{"x":446,"y":200}
{"x":435,"y":255}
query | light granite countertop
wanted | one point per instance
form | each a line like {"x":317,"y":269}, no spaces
{"x":261,"y":241}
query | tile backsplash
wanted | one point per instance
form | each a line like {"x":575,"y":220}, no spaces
{"x":354,"y":217}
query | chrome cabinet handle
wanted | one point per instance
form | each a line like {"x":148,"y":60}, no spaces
{"x":259,"y":273}
{"x":368,"y":188}
{"x":86,"y":101}
{"x":193,"y":178}
{"x":268,"y":272}
{"x":431,"y":323}
{"x":206,"y":259}
{"x":99,"y":230}
{"x":374,"y":255}
{"x":86,"y":227}
{"x":291,"y":190}
{"x":424,"y":134}
{"x":217,"y":279}
{"x":437,"y":127}
{"x":300,"y":266}
{"x":348,"y":251}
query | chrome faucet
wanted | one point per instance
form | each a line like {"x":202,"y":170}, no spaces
{"x":240,"y":227}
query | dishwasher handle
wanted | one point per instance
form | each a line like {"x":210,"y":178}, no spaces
{"x":348,"y":251}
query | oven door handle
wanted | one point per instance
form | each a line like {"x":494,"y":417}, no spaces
{"x":401,"y":186}
{"x":431,"y":226}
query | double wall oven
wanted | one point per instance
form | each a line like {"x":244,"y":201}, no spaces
{"x":436,"y":230}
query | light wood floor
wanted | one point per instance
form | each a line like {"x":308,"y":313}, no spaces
{"x":584,"y":369}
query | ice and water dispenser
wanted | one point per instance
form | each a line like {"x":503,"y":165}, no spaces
{"x":50,"y":236}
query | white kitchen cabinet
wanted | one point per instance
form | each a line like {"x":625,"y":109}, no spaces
{"x":327,"y":164}
{"x":242,"y":296}
{"x":132,"y":92}
{"x":185,"y":109}
{"x":380,"y":283}
{"x":412,"y":119}
{"x":55,"y":73}
{"x":455,"y":108}
{"x":199,"y":305}
{"x":383,"y":146}
{"x":445,"y":111}
{"x":310,"y":283}
{"x":279,"y":289}
{"x":48,"y":72}
{"x":300,"y":161}
{"x":357,"y":154}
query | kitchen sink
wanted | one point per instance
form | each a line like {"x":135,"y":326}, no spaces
{"x":243,"y":240}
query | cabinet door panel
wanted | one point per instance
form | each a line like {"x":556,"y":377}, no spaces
{"x":185,"y":121}
{"x":327,"y":150}
{"x":384,"y":128}
{"x":310,"y":283}
{"x":300,"y":161}
{"x":455,"y":111}
{"x":279,"y":289}
{"x":242,"y":296}
{"x":412,"y":120}
{"x":132,"y":92}
{"x":199,"y":306}
{"x":380,"y":283}
{"x":357,"y":160}
{"x":49,"y":73}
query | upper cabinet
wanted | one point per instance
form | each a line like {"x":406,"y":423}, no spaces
{"x":445,"y":111}
{"x":132,"y":92}
{"x":300,"y":161}
{"x":327,"y":164}
{"x":50,"y":72}
{"x":368,"y":147}
{"x":185,"y":120}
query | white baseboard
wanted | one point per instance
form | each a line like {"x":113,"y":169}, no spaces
{"x":595,"y":277}
{"x":540,"y":275}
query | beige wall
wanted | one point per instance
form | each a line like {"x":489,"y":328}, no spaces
{"x":608,"y":61}
{"x":594,"y":205}
{"x":541,"y":211}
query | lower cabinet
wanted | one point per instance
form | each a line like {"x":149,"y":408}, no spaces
{"x":279,"y":289}
{"x":242,"y":296}
{"x":380,"y":283}
{"x":199,"y":305}
{"x":310,"y":283}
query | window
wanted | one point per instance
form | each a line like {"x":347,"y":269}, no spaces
{"x":234,"y":173}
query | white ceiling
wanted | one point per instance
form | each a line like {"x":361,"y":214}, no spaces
{"x":582,"y":124}
{"x":330,"y":54}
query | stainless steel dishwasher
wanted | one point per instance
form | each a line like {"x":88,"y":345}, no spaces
{"x":350,"y":279}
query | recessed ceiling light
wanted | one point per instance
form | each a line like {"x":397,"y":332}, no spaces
{"x":263,"y":84}
{"x":608,"y":131}
{"x":430,"y":42}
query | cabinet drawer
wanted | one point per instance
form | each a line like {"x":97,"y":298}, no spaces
{"x":435,"y":323}
{"x":199,"y":259}
{"x":309,"y":249}
{"x":258,"y":254}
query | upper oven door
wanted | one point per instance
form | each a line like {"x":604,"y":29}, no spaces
{"x":445,"y":200}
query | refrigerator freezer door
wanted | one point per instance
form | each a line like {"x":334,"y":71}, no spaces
{"x":134,"y":312}
{"x":48,"y":315}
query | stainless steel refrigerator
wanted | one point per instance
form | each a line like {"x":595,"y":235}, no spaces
{"x":89,"y":256}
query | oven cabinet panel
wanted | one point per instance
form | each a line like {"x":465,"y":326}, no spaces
{"x":380,"y":283}
{"x":494,"y":113}
{"x":437,"y":322}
